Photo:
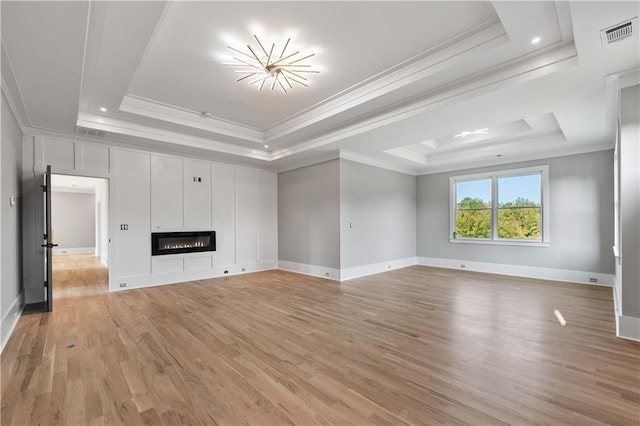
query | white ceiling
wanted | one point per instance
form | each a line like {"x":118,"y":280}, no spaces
{"x":397,"y":80}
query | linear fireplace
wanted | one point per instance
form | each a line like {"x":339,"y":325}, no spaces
{"x":182,"y":242}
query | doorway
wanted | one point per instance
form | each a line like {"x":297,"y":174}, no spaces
{"x":80,"y":228}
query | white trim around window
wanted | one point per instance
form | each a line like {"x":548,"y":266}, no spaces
{"x":493,"y":176}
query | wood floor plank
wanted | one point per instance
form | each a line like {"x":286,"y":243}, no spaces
{"x":412,"y":346}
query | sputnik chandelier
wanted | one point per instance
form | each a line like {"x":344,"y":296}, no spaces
{"x":262,"y":68}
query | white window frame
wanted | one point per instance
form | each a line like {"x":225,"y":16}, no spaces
{"x":493,"y":176}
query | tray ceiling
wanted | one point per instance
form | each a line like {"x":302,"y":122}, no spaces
{"x":397,"y":80}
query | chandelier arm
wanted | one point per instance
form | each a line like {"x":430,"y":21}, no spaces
{"x":247,"y":64}
{"x":261,"y":46}
{"x":262,"y":84}
{"x":255,"y":56}
{"x":259,"y":79}
{"x":286,"y":79}
{"x":286,"y":57}
{"x":240,"y":52}
{"x":301,"y":59}
{"x":303,"y":71}
{"x":281,"y":85}
{"x":273,"y":83}
{"x":293,"y":73}
{"x":296,"y":81}
{"x":285,"y":48}
{"x":273,"y":45}
{"x":246,"y":76}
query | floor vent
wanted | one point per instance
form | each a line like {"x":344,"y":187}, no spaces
{"x":619,"y":32}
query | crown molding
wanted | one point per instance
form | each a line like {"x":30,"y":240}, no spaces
{"x":406,"y":73}
{"x":9,"y":83}
{"x":375,"y":162}
{"x":161,"y":111}
{"x":113,"y":125}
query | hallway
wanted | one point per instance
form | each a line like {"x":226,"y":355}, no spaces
{"x":78,"y":275}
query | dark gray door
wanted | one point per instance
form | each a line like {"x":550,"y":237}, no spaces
{"x":48,"y":239}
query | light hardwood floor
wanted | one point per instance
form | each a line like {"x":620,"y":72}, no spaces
{"x":418,"y":346}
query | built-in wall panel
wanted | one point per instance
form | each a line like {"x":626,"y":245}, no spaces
{"x":59,"y":154}
{"x":246,"y":215}
{"x":267,"y":216}
{"x":151,"y":191}
{"x":93,"y":158}
{"x":68,"y":156}
{"x":132,"y":214}
{"x":197,"y":194}
{"x":166,"y":192}
{"x":223,"y":213}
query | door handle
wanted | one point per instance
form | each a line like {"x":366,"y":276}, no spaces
{"x":49,"y":245}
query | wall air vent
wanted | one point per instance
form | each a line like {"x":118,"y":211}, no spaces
{"x":90,"y":132}
{"x":620,"y":31}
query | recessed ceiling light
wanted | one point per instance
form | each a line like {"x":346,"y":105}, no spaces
{"x":535,"y":40}
{"x":466,"y":133}
{"x":262,"y":66}
{"x":266,"y":146}
{"x":73,"y":184}
{"x":103,"y":109}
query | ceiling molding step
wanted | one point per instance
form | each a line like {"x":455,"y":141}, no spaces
{"x":564,"y":151}
{"x":628,"y":78}
{"x":96,"y":15}
{"x":411,"y":71}
{"x":316,"y":159}
{"x":560,"y":58}
{"x":108,"y":124}
{"x":375,"y":162}
{"x":9,"y":84}
{"x":160,"y":111}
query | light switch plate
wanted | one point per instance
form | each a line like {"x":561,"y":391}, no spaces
{"x":12,"y":200}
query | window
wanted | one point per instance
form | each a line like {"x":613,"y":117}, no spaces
{"x":503,"y":207}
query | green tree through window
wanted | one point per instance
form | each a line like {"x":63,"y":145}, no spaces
{"x":516,"y":213}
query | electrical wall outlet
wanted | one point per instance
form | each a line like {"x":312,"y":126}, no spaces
{"x":462,"y":266}
{"x":593,"y":280}
{"x":327,"y":274}
{"x":122,"y":285}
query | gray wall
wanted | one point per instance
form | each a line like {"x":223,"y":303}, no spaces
{"x":309,"y":215}
{"x":381,"y":205}
{"x":630,"y":200}
{"x":581,"y":203}
{"x":73,"y":217}
{"x":10,"y":216}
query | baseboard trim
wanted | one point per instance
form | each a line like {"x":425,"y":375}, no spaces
{"x":628,"y":327}
{"x":566,"y":275}
{"x":376,"y":268}
{"x":10,"y":320}
{"x":76,"y":250}
{"x":313,"y":270}
{"x":182,"y":276}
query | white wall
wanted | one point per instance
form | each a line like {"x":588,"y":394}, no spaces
{"x":73,"y":221}
{"x":377,"y":219}
{"x":246,"y":229}
{"x":11,"y":301}
{"x":581,"y":222}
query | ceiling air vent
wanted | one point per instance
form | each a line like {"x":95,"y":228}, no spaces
{"x":90,"y":132}
{"x":619,"y":31}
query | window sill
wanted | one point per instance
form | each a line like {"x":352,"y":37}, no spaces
{"x":502,"y":243}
